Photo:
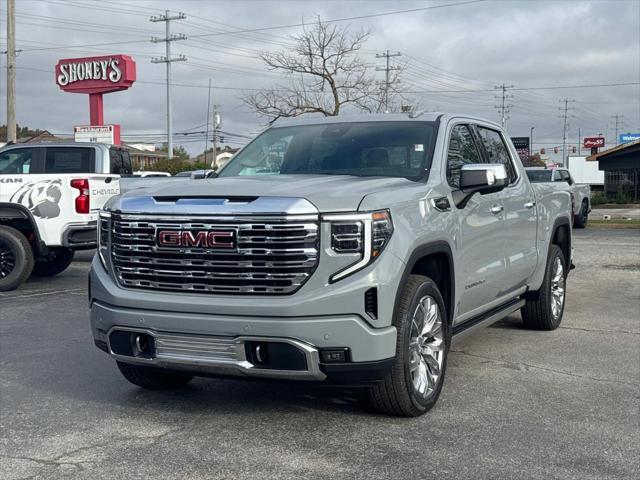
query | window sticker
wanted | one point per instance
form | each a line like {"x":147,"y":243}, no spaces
{"x":418,"y":147}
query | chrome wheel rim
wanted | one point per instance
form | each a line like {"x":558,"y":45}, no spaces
{"x":426,"y":347}
{"x":557,"y":288}
{"x":7,"y":260}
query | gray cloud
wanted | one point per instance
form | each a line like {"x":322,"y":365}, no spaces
{"x":524,"y":43}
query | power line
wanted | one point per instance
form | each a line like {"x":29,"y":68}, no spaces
{"x":618,"y":123}
{"x":504,"y":107}
{"x":387,"y":70}
{"x":167,"y":18}
{"x":565,"y":110}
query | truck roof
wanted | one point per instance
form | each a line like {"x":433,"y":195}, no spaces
{"x":378,"y":117}
{"x":67,"y":143}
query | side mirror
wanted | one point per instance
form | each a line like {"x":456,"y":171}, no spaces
{"x":197,"y":175}
{"x":480,"y":178}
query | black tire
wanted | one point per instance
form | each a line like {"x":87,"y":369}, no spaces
{"x":153,"y":378}
{"x":538,"y":312}
{"x":57,"y":261}
{"x":396,"y":394}
{"x":583,"y":217}
{"x":16,"y":258}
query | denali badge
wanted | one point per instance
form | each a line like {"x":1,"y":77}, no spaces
{"x":200,"y":238}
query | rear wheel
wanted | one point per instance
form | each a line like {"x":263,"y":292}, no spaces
{"x":57,"y":261}
{"x":543,"y":309}
{"x":16,"y":258}
{"x":153,"y":378}
{"x":583,"y":217}
{"x":415,"y":381}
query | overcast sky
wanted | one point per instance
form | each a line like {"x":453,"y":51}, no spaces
{"x":527,"y":44}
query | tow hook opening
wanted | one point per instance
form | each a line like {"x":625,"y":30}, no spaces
{"x":132,"y":344}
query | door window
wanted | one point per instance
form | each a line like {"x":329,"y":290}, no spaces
{"x":68,"y":160}
{"x":16,"y":162}
{"x":497,"y":151}
{"x":462,"y":151}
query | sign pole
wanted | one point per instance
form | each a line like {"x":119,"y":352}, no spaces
{"x":96,"y":109}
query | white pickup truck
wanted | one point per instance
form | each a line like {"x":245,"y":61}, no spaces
{"x":561,"y":177}
{"x":50,"y":196}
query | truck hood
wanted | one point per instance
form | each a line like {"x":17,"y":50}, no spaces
{"x":328,"y":193}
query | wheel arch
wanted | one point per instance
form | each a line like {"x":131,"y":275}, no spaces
{"x":561,"y":236}
{"x":434,"y":260}
{"x":20,"y":218}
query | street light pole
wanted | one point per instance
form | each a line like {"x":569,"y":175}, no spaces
{"x":531,"y":141}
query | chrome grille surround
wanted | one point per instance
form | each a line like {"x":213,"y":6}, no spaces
{"x":275,"y":255}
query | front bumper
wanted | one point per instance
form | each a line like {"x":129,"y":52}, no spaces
{"x":219,"y":347}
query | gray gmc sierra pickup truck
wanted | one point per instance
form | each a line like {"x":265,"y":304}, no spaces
{"x":345,"y":250}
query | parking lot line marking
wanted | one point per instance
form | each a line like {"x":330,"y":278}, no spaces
{"x":37,"y":294}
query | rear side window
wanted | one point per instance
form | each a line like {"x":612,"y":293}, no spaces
{"x":16,"y":162}
{"x":69,"y":160}
{"x":497,"y":151}
{"x":462,"y":151}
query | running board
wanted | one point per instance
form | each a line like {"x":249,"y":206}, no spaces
{"x":486,"y":319}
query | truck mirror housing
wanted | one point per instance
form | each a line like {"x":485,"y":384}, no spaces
{"x":480,"y":178}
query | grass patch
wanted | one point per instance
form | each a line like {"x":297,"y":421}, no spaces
{"x":615,"y":223}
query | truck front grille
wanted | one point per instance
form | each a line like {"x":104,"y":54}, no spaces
{"x":274,"y":255}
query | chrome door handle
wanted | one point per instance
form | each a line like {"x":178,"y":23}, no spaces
{"x":496,"y":209}
{"x":530,"y":204}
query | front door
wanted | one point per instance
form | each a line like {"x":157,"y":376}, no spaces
{"x":480,"y":238}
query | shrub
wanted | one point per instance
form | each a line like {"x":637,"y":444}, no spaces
{"x":598,"y":198}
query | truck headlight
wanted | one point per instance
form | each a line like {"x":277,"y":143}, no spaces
{"x":104,"y":232}
{"x":365,"y":234}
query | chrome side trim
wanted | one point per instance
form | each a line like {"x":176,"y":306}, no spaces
{"x":222,"y":355}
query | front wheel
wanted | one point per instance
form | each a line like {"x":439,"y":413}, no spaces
{"x":16,"y":258}
{"x":423,"y":339}
{"x":56,"y":262}
{"x":543,"y":309}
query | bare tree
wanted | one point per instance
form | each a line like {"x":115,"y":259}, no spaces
{"x":325,"y":74}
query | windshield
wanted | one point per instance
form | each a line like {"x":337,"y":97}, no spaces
{"x":537,"y":176}
{"x":388,"y":149}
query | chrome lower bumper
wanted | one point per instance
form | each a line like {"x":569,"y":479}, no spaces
{"x":216,"y":355}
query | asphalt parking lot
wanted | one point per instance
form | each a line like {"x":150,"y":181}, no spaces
{"x":516,"y":403}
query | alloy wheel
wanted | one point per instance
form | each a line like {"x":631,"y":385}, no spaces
{"x":426,"y":347}
{"x":557,"y":288}
{"x":7,"y":259}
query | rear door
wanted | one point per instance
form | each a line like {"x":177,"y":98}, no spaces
{"x":480,"y":242}
{"x":520,"y":218}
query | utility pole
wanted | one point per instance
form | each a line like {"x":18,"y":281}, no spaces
{"x":206,"y":136}
{"x":168,"y":60}
{"x":216,"y":124}
{"x":504,"y":108}
{"x":565,"y":127}
{"x":618,"y":119}
{"x":11,"y":71}
{"x":387,"y":69}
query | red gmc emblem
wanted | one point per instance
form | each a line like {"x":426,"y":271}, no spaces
{"x":198,"y":239}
